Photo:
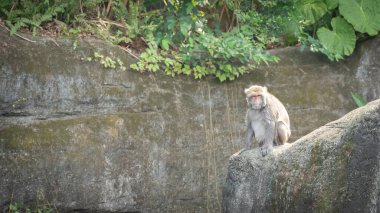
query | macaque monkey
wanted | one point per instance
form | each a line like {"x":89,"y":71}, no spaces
{"x":267,"y":120}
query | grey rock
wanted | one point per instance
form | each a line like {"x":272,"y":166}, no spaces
{"x":335,"y":168}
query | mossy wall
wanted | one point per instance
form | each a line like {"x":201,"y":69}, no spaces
{"x":79,"y":136}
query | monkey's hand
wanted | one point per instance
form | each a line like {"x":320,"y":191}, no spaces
{"x":238,"y":153}
{"x":266,"y":149}
{"x":242,"y":150}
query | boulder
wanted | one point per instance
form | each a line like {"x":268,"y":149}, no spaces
{"x":335,"y":168}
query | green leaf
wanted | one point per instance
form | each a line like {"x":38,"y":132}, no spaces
{"x":331,"y":4}
{"x":221,"y":76}
{"x":360,"y":101}
{"x":134,"y":66}
{"x":341,"y":40}
{"x":165,"y":43}
{"x":186,"y":70}
{"x":170,"y":23}
{"x":311,"y":10}
{"x":364,"y":15}
{"x":185,"y":25}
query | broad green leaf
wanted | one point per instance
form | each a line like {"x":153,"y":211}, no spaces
{"x":186,"y":70}
{"x":190,"y":7}
{"x":165,"y":43}
{"x":170,"y":23}
{"x":359,"y":100}
{"x":222,"y":77}
{"x":364,"y":15}
{"x":185,"y":25}
{"x":311,"y":10}
{"x":341,"y":40}
{"x":331,"y":4}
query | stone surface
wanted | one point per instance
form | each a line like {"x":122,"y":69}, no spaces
{"x":335,"y":168}
{"x":79,"y":136}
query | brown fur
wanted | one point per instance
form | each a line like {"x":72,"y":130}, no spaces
{"x":267,"y":119}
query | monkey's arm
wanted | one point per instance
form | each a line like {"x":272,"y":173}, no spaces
{"x":267,"y":145}
{"x":249,"y":136}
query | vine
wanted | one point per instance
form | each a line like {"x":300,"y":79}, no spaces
{"x":108,"y":62}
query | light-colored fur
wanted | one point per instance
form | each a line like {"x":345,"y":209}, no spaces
{"x":268,"y":122}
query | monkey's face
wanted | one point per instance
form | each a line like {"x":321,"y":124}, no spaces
{"x":256,"y":101}
{"x":256,"y":97}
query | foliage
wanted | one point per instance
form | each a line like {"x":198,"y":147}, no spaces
{"x":316,"y":46}
{"x":310,"y":10}
{"x":221,"y":38}
{"x":359,"y":100}
{"x":364,"y":15}
{"x":108,"y":62}
{"x":227,"y":57}
{"x":132,"y":20}
{"x":185,"y":26}
{"x":335,"y":23}
{"x":180,"y":20}
{"x":201,"y":51}
{"x":31,"y":14}
{"x":339,"y":41}
{"x":149,"y":60}
{"x":16,"y":208}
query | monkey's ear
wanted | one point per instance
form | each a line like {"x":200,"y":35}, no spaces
{"x":265,"y":89}
{"x":246,"y":91}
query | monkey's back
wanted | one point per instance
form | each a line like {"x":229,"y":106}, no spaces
{"x":278,"y":110}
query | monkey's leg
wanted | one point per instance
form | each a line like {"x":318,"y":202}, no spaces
{"x":282,"y":133}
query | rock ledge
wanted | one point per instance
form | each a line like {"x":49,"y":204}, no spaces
{"x":333,"y":169}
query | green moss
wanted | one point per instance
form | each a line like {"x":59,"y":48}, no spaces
{"x":34,"y":136}
{"x":332,"y":193}
{"x":320,"y":186}
{"x":60,"y":132}
{"x":316,"y":157}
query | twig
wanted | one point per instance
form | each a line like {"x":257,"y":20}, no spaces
{"x":151,"y":12}
{"x":221,"y":14}
{"x":129,"y":52}
{"x":54,"y":41}
{"x":108,"y":8}
{"x":108,"y":22}
{"x":5,"y":27}
{"x":232,"y":22}
{"x":81,"y":6}
{"x":143,"y":39}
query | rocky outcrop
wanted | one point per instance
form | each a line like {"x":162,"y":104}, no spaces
{"x":78,"y":136}
{"x":336,"y":168}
